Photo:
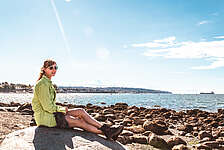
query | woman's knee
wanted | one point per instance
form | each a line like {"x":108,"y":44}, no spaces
{"x":76,"y":112}
{"x":81,"y":111}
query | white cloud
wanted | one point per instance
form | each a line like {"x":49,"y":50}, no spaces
{"x":167,"y":42}
{"x":203,"y":22}
{"x":150,"y":45}
{"x":103,"y":53}
{"x":219,"y":37}
{"x":68,"y":0}
{"x":212,"y":51}
{"x":88,"y":31}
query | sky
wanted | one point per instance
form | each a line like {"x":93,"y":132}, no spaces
{"x":175,"y":45}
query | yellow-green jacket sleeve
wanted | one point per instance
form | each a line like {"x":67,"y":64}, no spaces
{"x":47,"y":102}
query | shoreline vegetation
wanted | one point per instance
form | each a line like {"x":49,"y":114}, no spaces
{"x":144,"y":128}
{"x":6,"y":87}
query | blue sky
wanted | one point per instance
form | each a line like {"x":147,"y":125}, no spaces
{"x":174,"y":45}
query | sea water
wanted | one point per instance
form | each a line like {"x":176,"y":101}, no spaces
{"x":208,"y":102}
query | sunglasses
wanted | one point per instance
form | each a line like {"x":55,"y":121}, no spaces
{"x":53,"y":67}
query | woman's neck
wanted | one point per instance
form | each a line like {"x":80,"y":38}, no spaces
{"x":49,"y":77}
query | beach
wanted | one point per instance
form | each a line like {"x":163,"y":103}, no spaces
{"x":195,"y":128}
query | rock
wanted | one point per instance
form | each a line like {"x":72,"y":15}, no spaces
{"x":158,"y":142}
{"x":9,"y":109}
{"x":108,"y":111}
{"x":203,"y":134}
{"x":42,"y":138}
{"x":4,"y":105}
{"x":214,"y":124}
{"x":212,"y":144}
{"x":127,"y":121}
{"x":140,"y":139}
{"x":13,"y":104}
{"x":27,"y":111}
{"x":182,"y":133}
{"x":109,"y":122}
{"x":204,"y":140}
{"x":221,"y":111}
{"x":175,"y":141}
{"x":120,"y":106}
{"x":110,"y":116}
{"x":189,"y":135}
{"x":138,"y":121}
{"x":3,"y":109}
{"x":125,"y":139}
{"x":155,"y":127}
{"x":146,"y":133}
{"x":180,"y":147}
{"x":156,"y":106}
{"x":100,"y":117}
{"x":130,"y":111}
{"x":220,"y":140}
{"x":126,"y":133}
{"x":24,"y":106}
{"x":89,"y":111}
{"x":187,"y":128}
{"x":167,"y":115}
{"x":135,"y":129}
{"x":195,"y":133}
{"x":202,"y":147}
{"x":33,"y":122}
{"x":132,"y":115}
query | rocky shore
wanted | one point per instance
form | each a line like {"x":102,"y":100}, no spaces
{"x":144,"y":128}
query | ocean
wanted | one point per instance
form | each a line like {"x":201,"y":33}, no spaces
{"x":207,"y":102}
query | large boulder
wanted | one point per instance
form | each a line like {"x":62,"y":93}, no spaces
{"x":43,"y":138}
{"x":157,"y":127}
{"x":172,"y":141}
{"x":158,"y":142}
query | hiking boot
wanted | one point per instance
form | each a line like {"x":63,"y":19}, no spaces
{"x":118,"y":132}
{"x":111,"y":132}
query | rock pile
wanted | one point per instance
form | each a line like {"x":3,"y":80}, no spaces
{"x":148,"y":126}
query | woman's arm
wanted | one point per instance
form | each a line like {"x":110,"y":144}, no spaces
{"x":46,"y":102}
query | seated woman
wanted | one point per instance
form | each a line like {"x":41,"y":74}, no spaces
{"x":47,"y":113}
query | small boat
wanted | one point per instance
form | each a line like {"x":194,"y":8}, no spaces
{"x":208,"y":93}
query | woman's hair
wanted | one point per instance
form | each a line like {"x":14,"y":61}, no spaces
{"x":47,"y":63}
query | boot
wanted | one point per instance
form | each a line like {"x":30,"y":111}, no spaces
{"x":119,"y":130}
{"x":111,"y":132}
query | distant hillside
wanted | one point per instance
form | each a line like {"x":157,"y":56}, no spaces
{"x":64,"y":89}
{"x":17,"y":88}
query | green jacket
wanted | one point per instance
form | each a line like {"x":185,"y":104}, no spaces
{"x":44,"y":103}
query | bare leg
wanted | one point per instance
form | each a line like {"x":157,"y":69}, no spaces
{"x":81,"y":113}
{"x":77,"y":122}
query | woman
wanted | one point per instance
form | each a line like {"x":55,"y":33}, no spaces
{"x":47,"y":113}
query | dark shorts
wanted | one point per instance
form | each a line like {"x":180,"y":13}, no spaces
{"x":60,"y":120}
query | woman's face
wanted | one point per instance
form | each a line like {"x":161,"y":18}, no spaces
{"x":51,"y":71}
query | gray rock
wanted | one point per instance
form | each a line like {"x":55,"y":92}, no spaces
{"x":203,"y":134}
{"x":158,"y":142}
{"x":43,"y":138}
{"x":9,"y":109}
{"x":180,"y":147}
{"x":172,"y":141}
{"x":140,"y":139}
{"x":126,"y":133}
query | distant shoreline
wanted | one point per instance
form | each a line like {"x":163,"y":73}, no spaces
{"x":6,"y":87}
